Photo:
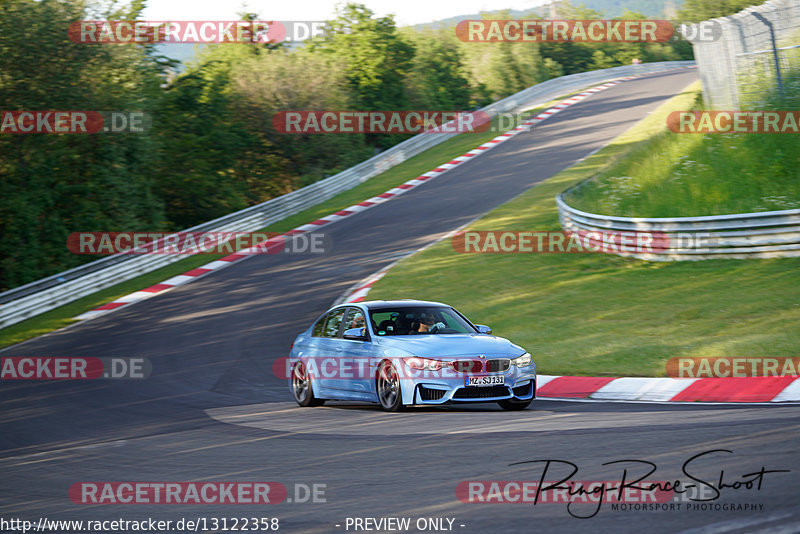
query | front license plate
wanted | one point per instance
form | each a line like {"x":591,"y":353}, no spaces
{"x":492,"y":380}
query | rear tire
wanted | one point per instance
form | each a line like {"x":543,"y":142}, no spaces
{"x":387,"y":385}
{"x":301,"y":387}
{"x":511,"y":405}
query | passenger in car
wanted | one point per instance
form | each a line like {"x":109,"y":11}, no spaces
{"x":388,"y":327}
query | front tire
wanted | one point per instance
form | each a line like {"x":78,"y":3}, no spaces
{"x":387,"y":385}
{"x":301,"y":387}
{"x":511,"y":405}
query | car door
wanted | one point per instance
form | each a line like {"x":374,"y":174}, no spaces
{"x":327,"y":357}
{"x":310,"y":347}
{"x":357,"y":363}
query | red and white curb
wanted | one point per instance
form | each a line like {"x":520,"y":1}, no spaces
{"x":194,"y":274}
{"x":721,"y":390}
{"x":357,"y":294}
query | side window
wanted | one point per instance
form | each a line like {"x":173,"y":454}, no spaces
{"x":333,"y":322}
{"x":355,"y":319}
{"x":319,"y":326}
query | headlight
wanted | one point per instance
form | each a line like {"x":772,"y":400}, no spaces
{"x":523,"y":361}
{"x":424,"y":364}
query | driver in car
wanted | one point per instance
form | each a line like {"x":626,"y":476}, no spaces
{"x":427,"y":325}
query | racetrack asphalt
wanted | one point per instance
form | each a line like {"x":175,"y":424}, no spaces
{"x":212,"y":344}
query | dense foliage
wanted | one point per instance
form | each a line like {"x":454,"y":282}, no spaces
{"x":212,"y":148}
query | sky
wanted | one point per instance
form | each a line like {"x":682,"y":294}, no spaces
{"x":406,"y":11}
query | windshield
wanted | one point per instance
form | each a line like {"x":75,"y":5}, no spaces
{"x":418,"y":320}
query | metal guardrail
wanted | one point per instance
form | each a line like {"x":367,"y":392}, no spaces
{"x":735,"y":66}
{"x":48,"y":293}
{"x":768,"y":234}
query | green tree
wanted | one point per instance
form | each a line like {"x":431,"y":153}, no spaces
{"x":503,"y":68}
{"x":697,"y":10}
{"x":199,"y":144}
{"x":272,"y":83}
{"x":55,"y":184}
{"x":436,"y":78}
{"x":376,"y":58}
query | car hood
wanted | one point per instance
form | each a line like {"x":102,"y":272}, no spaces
{"x":445,"y":345}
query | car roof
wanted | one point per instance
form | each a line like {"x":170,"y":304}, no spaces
{"x":403,"y":303}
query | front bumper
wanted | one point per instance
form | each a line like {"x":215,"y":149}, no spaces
{"x":440,"y":392}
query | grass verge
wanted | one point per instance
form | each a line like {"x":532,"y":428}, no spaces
{"x":603,"y":315}
{"x":419,"y":164}
{"x":682,"y":175}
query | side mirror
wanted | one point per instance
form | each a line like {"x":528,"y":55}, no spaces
{"x":483,"y":329}
{"x":356,"y":334}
